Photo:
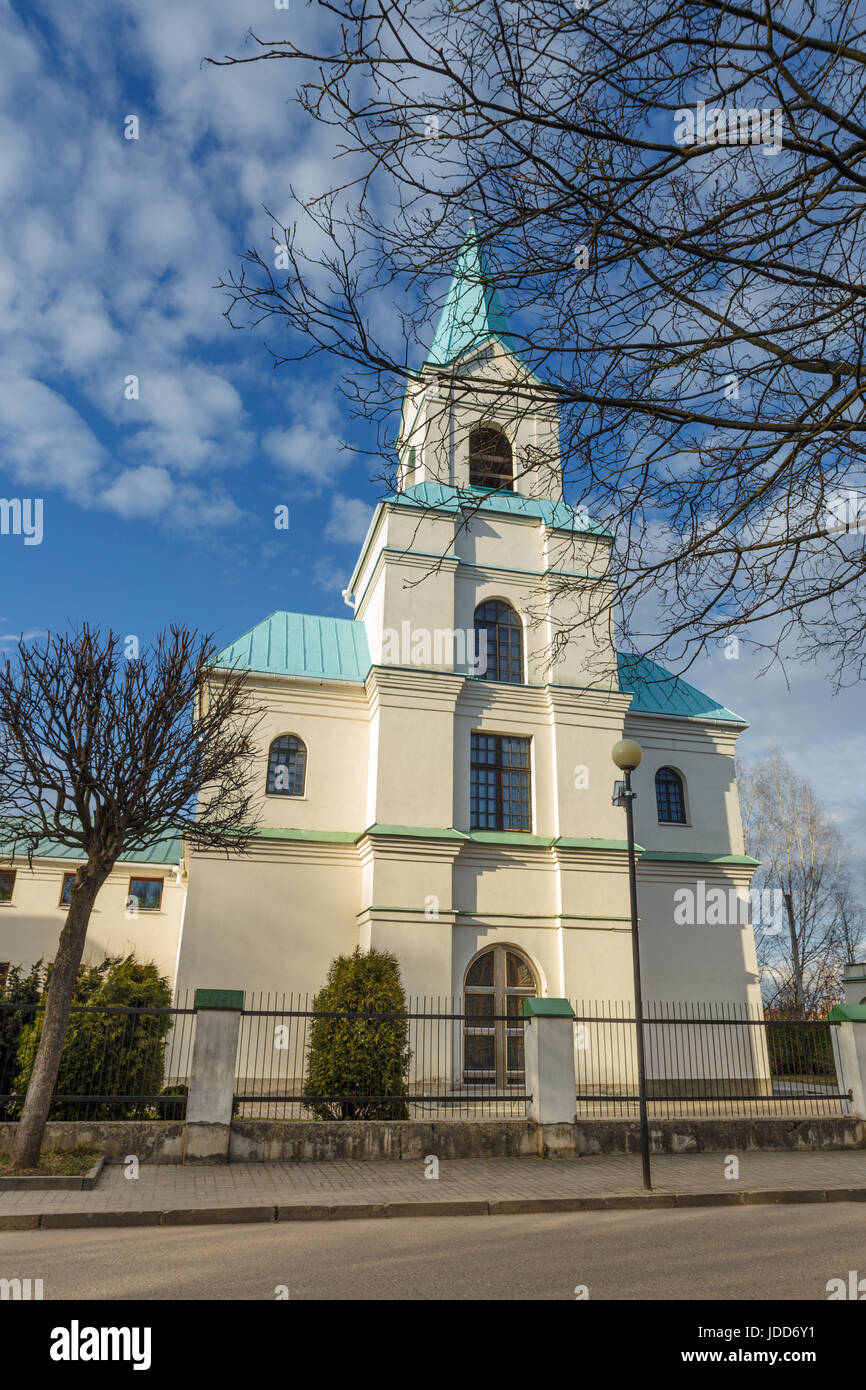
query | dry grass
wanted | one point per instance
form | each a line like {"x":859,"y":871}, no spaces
{"x":67,"y":1163}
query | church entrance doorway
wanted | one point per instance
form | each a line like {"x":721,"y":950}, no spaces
{"x":497,"y":982}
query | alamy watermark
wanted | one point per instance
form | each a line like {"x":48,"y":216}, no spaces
{"x":22,"y":516}
{"x":699,"y":906}
{"x":441,"y":646}
{"x":20,"y":1290}
{"x":733,"y":125}
{"x":77,"y":1343}
{"x":845,"y":511}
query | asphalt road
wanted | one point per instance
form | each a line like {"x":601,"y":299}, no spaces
{"x":785,"y":1252}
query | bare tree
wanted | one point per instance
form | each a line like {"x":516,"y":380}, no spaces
{"x":809,"y":923}
{"x":672,"y":194}
{"x":107,"y":755}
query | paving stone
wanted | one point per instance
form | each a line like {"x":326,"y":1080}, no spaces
{"x":343,"y":1190}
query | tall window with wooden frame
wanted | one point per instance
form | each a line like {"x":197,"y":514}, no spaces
{"x":670,"y":797}
{"x":499,"y":783}
{"x":499,"y":641}
{"x":287,"y":766}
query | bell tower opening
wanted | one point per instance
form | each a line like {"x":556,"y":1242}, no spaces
{"x":490,"y":462}
{"x":474,"y":415}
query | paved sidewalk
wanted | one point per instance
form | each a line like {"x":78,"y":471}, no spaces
{"x":175,"y":1195}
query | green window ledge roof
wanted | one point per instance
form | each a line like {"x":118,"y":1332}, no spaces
{"x":441,"y":497}
{"x":696,"y":857}
{"x":500,"y":837}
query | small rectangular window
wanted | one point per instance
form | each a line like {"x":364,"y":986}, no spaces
{"x":7,"y":884}
{"x":499,"y":783}
{"x":145,"y":894}
{"x":66,"y":890}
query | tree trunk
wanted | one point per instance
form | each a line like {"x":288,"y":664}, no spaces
{"x":799,"y":995}
{"x":40,"y":1089}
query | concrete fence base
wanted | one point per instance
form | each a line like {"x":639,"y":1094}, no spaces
{"x":315,"y":1141}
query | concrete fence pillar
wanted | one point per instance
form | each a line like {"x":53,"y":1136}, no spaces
{"x":849,"y":1039}
{"x":212,"y":1074}
{"x":548,"y":1044}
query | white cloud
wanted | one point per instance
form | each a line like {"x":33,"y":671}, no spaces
{"x":110,"y":249}
{"x":43,"y":441}
{"x":139,"y":491}
{"x":146,"y":492}
{"x":330,"y":576}
{"x":310,"y":447}
{"x":349,"y":519}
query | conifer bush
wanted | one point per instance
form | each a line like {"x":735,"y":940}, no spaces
{"x":107,"y":1054}
{"x":359,"y":1058}
{"x":23,"y":987}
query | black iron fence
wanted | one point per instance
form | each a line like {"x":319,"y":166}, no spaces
{"x":440,"y":1058}
{"x":706,"y":1059}
{"x":118,"y":1063}
{"x":432,"y":1061}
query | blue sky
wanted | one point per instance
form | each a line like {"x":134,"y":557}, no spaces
{"x":158,"y":509}
{"x":161,"y":509}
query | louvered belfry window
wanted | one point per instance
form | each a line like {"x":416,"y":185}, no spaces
{"x":490,"y":462}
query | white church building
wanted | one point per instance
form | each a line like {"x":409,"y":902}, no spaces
{"x":435,"y":772}
{"x":446,"y":795}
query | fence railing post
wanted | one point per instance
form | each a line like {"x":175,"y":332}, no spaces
{"x":212,"y":1074}
{"x":548,"y":1049}
{"x":849,"y":1053}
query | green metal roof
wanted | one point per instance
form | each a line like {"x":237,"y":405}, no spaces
{"x":473,"y":312}
{"x":442,"y":498}
{"x":298,"y":644}
{"x":168,"y":851}
{"x":656,"y":691}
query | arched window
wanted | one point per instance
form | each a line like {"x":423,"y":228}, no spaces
{"x":670,"y":796}
{"x":499,"y":639}
{"x":490,"y":459}
{"x":497,"y":982}
{"x":287,"y":766}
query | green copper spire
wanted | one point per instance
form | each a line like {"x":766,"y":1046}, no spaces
{"x":473,"y":312}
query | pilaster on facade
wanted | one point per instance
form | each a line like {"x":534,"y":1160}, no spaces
{"x":423,"y":688}
{"x":478,"y":697}
{"x":589,"y":707}
{"x":656,"y":731}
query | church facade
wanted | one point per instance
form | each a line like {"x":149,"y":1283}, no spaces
{"x":435,"y":773}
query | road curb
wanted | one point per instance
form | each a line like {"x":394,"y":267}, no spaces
{"x":365,"y":1211}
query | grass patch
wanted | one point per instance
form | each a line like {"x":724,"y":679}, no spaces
{"x":54,"y":1163}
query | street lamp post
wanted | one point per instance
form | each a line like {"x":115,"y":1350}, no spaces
{"x":627,"y":755}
